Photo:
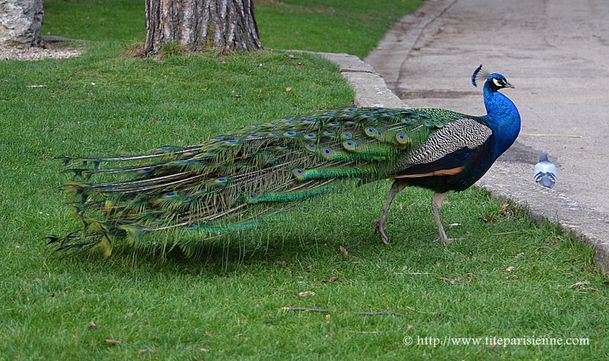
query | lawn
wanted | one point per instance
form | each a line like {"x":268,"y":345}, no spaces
{"x":506,"y":277}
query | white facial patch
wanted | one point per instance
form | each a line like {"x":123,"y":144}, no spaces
{"x":497,"y":83}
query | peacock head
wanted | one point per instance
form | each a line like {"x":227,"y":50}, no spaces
{"x":495,"y":81}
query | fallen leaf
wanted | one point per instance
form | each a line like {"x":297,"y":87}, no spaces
{"x":202,"y":349}
{"x":470,"y":278}
{"x":328,"y":317}
{"x":401,"y":206}
{"x":454,"y":225}
{"x":580,"y":284}
{"x":288,"y":89}
{"x":519,"y":255}
{"x":282,"y":263}
{"x":92,"y":324}
{"x":510,"y":269}
{"x":452,"y":281}
{"x":409,"y":327}
{"x":112,"y":342}
{"x":37,"y":86}
{"x":306,"y":294}
{"x":331,"y":279}
{"x":309,"y":268}
{"x":488,"y":219}
{"x":343,"y":251}
{"x":504,"y":210}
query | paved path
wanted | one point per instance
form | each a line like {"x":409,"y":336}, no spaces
{"x":556,"y":53}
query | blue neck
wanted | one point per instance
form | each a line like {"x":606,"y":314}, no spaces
{"x":503,"y":118}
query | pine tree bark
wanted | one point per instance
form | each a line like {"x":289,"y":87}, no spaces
{"x":226,"y":25}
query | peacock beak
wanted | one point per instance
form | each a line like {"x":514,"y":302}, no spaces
{"x":508,"y":85}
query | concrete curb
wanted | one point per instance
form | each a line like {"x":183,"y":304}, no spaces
{"x":511,"y":176}
{"x":514,"y":181}
{"x":370,"y":88}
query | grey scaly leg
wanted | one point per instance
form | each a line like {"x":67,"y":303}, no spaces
{"x":396,"y":187}
{"x":436,"y":204}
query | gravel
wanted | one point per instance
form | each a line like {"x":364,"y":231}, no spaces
{"x":33,"y":53}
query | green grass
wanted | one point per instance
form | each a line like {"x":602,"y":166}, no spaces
{"x":318,"y":25}
{"x":506,"y":277}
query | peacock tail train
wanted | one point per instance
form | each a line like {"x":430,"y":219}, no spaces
{"x":242,"y":180}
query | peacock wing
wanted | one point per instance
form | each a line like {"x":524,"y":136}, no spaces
{"x":447,"y":149}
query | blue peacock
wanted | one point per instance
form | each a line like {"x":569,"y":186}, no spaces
{"x":244,"y":179}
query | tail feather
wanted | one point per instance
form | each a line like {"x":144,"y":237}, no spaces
{"x":238,"y":181}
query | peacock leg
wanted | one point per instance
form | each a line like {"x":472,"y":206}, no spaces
{"x":436,"y":203}
{"x":396,"y":187}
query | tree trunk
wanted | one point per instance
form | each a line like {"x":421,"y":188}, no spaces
{"x":226,"y":25}
{"x":20,"y":22}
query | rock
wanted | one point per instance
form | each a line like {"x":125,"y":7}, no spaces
{"x":20,"y":22}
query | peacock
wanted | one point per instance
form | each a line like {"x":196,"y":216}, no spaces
{"x":245,"y":179}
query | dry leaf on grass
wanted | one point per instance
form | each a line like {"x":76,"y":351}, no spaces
{"x":309,"y":268}
{"x":343,"y":251}
{"x":488,"y":218}
{"x":331,"y":279}
{"x":451,"y":281}
{"x":112,"y":342}
{"x":306,"y":294}
{"x":504,"y":210}
{"x":92,"y":324}
{"x":510,"y":269}
{"x":470,"y":278}
{"x":580,"y":284}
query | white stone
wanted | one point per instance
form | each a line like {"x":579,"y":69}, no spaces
{"x":20,"y":22}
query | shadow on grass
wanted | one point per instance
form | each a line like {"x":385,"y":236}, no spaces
{"x":218,"y":257}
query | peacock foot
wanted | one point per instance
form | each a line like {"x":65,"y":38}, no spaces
{"x":380,"y":228}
